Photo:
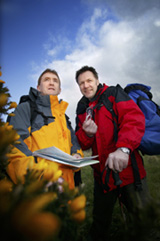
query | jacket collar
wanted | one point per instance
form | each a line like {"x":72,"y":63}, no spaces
{"x":101,"y":88}
{"x":47,"y":100}
{"x":84,"y":102}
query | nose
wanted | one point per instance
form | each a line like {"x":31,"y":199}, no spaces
{"x":85,"y":84}
{"x":51,"y":82}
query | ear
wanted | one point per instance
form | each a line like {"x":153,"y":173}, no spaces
{"x":97,"y":82}
{"x":38,"y":88}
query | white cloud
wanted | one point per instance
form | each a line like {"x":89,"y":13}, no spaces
{"x":122,"y":52}
{"x":157,"y":23}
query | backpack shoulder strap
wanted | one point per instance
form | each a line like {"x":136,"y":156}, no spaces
{"x":104,"y":99}
{"x":33,"y":106}
{"x":68,"y":121}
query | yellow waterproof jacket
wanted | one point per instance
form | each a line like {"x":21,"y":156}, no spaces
{"x":44,"y":127}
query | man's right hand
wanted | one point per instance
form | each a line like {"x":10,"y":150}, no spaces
{"x":90,"y":127}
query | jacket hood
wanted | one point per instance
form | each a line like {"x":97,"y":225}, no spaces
{"x":36,"y":96}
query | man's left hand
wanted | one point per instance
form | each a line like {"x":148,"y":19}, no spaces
{"x":117,"y":160}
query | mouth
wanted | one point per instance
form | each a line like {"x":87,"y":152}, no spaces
{"x":87,"y":92}
{"x":51,"y":89}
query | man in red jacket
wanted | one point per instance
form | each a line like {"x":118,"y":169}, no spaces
{"x":95,"y":129}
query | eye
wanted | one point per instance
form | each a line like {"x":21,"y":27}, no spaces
{"x":82,"y":83}
{"x":46,"y":79}
{"x":56,"y":80}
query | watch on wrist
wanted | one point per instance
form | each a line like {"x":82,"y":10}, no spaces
{"x":125,"y":150}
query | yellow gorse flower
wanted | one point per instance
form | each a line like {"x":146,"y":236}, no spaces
{"x":40,"y":166}
{"x":41,"y":201}
{"x":29,"y":207}
{"x":40,"y":226}
{"x":16,"y":137}
{"x":78,"y":203}
{"x":5,"y":186}
{"x":2,"y":82}
{"x":12,"y":105}
{"x":56,"y":175}
{"x":31,"y":164}
{"x":36,"y":170}
{"x":7,"y":126}
{"x":30,"y":219}
{"x":11,"y":114}
{"x":8,"y":135}
{"x":52,"y":173}
{"x":3,"y":99}
{"x":34,"y":186}
{"x":76,"y":207}
{"x":5,"y":190}
{"x":79,"y":216}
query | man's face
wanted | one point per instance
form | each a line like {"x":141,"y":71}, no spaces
{"x":49,"y":85}
{"x":88,"y":84}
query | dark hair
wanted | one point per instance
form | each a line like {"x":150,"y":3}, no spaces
{"x":48,"y":71}
{"x":84,"y":69}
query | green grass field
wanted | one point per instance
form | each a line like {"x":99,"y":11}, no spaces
{"x":152,"y":166}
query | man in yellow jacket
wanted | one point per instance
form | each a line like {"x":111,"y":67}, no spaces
{"x":41,"y":122}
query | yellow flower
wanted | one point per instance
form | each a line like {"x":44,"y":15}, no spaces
{"x":37,"y":169}
{"x":79,"y":216}
{"x":16,"y":137}
{"x":3,"y":99}
{"x":34,"y":186}
{"x":12,"y":105}
{"x":5,"y":186}
{"x":54,"y":167}
{"x":1,"y":81}
{"x":41,"y":201}
{"x":28,"y":208}
{"x":31,"y":164}
{"x":5,"y":190}
{"x":78,"y":203}
{"x":40,"y":226}
{"x":57,"y":175}
{"x":12,"y":151}
{"x":11,"y":114}
{"x":7,"y":135}
{"x":41,"y":165}
{"x":48,"y":174}
{"x":52,"y":173}
{"x":8,"y":127}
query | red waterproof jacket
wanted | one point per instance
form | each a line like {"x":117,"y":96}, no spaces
{"x":131,"y":127}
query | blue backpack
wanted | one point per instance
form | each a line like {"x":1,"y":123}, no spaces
{"x":150,"y":143}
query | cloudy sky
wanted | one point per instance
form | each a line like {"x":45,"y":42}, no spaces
{"x":120,"y":38}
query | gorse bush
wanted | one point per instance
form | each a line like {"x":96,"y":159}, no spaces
{"x":41,"y":207}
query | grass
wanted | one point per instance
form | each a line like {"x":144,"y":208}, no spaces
{"x":152,"y":166}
